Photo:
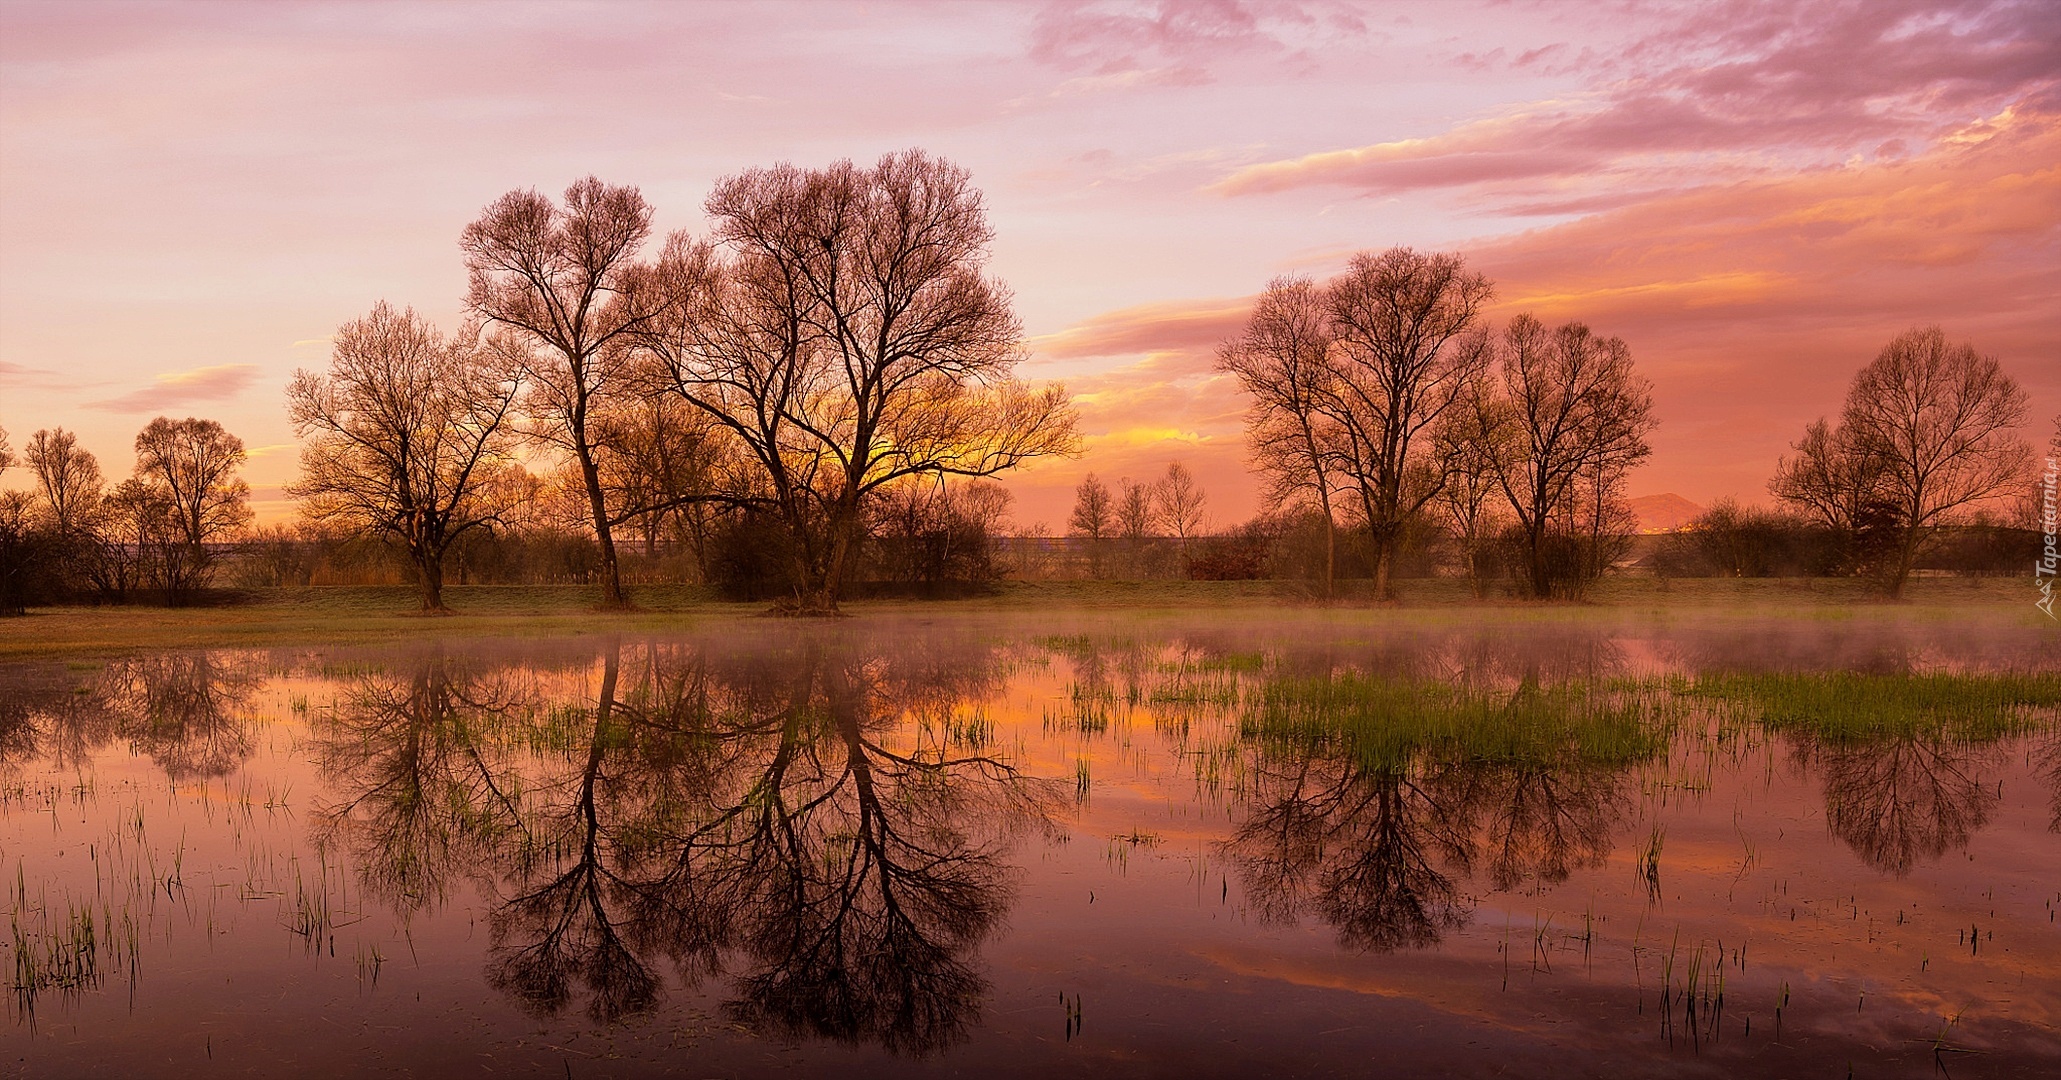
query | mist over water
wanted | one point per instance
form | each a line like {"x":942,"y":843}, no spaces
{"x":1315,"y":844}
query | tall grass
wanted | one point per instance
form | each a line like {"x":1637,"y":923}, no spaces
{"x":1846,"y":706}
{"x":1387,"y":721}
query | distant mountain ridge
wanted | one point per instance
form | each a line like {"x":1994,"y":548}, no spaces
{"x":1665,"y":512}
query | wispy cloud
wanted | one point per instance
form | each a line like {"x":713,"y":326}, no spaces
{"x":23,"y":377}
{"x":1754,"y":85}
{"x":183,"y":388}
{"x":1177,"y":327}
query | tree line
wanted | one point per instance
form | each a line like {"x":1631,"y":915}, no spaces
{"x":155,"y":534}
{"x":1383,"y":406}
{"x":817,"y":390}
{"x":832,"y":351}
{"x":1382,"y":400}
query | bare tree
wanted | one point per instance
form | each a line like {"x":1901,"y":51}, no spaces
{"x":1283,"y":362}
{"x":1564,"y":419}
{"x":19,"y":545}
{"x":1832,"y":478}
{"x":1400,"y":360}
{"x":1177,"y":502}
{"x":69,"y":477}
{"x":663,"y":461}
{"x":1939,"y":420}
{"x":1092,"y":516}
{"x":1134,"y":510}
{"x":189,"y":468}
{"x":406,"y":429}
{"x":1468,"y":501}
{"x":553,"y":281}
{"x":845,"y":334}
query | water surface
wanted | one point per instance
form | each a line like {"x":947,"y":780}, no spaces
{"x":1335,"y":844}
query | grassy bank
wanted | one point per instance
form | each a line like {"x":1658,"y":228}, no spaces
{"x":369,"y":614}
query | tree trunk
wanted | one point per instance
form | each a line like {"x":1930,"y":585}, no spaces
{"x":1906,"y":558}
{"x":1541,"y":578}
{"x":1330,"y":544}
{"x":429,"y":573}
{"x":612,"y":595}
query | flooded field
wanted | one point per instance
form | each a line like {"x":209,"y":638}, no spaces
{"x":1009,"y":845}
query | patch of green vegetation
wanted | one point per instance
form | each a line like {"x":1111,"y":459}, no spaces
{"x":1387,"y":722}
{"x":1846,"y":706}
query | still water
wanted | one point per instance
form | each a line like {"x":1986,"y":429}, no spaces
{"x":1209,"y":845}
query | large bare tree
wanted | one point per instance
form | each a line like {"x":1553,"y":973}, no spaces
{"x":1400,"y":358}
{"x":1347,"y":377}
{"x":407,"y":428}
{"x":1282,"y":361}
{"x":1938,"y":424}
{"x":551,"y":281}
{"x":1561,"y":422}
{"x":844,"y":331}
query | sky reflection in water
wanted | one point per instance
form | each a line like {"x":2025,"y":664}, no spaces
{"x":1023,"y":846}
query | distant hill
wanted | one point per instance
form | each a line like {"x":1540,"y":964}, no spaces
{"x":1663,"y":513}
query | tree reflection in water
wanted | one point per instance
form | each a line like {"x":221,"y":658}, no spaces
{"x":1904,"y":800}
{"x":1355,"y":845}
{"x":188,"y":712}
{"x":818,"y":820}
{"x":1373,"y":850}
{"x":423,"y":753}
{"x":1373,"y":790}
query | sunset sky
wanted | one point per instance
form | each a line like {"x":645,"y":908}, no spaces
{"x":1755,"y":196}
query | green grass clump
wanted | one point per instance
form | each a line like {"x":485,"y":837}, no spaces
{"x":1389,"y":722}
{"x":1845,"y":706}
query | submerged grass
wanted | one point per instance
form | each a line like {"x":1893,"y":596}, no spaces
{"x":1389,"y":721}
{"x":1845,"y":706}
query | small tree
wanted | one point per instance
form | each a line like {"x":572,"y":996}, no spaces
{"x":1563,"y":420}
{"x":21,"y":543}
{"x":69,"y":480}
{"x":1092,"y":515}
{"x":406,"y":429}
{"x":69,"y":477}
{"x":1177,"y":501}
{"x":1467,"y":501}
{"x":190,"y":466}
{"x":1939,"y":422}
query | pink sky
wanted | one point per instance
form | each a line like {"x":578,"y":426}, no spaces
{"x":1755,"y":196}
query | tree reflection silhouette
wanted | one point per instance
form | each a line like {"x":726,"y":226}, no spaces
{"x":807,"y":820}
{"x":424,"y":752}
{"x":1353,"y":844}
{"x":188,"y":712}
{"x":1366,"y":822}
{"x":1903,"y":800}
